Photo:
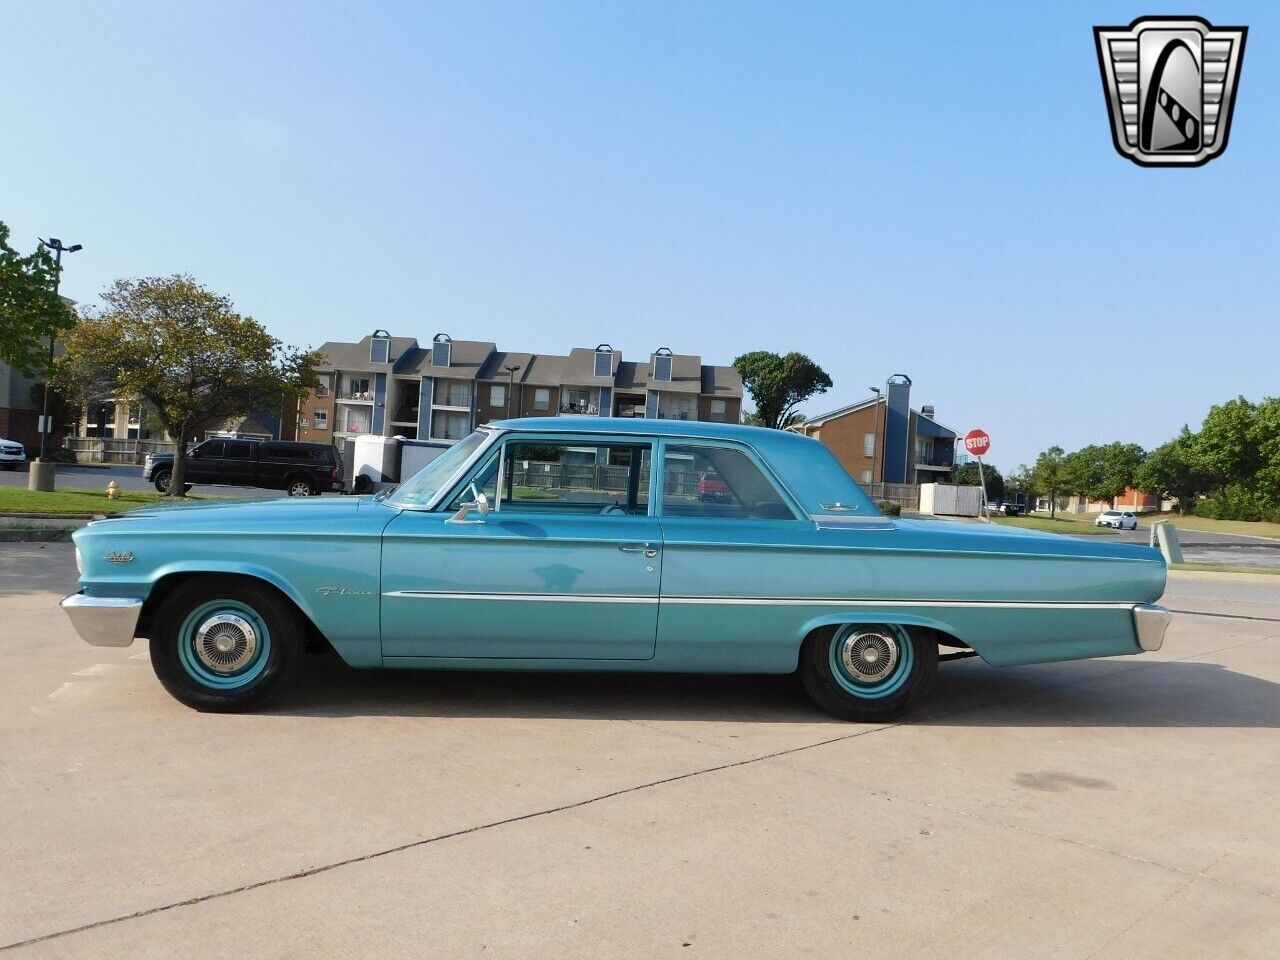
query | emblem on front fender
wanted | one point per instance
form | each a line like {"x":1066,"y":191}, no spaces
{"x":342,"y":592}
{"x":119,"y":556}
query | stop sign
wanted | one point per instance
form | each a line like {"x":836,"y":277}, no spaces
{"x":977,"y":442}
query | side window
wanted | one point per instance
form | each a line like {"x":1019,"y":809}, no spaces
{"x":723,"y":482}
{"x":239,"y":451}
{"x":587,"y":478}
{"x":211,"y":449}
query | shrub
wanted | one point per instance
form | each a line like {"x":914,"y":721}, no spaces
{"x":890,"y":509}
{"x":1236,"y":502}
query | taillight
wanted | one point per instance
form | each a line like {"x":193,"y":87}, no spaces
{"x":337,"y":473}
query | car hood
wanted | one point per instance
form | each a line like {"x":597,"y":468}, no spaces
{"x":244,"y":516}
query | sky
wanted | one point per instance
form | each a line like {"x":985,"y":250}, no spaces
{"x":927,"y":189}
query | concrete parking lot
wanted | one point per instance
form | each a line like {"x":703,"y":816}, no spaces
{"x":1122,"y":808}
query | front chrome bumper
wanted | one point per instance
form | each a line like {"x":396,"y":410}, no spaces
{"x":103,"y":621}
{"x":1150,"y":621}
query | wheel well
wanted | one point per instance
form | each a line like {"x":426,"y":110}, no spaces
{"x":940,"y":637}
{"x":165,"y":586}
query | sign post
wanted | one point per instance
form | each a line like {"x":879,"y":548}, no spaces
{"x":977,"y":442}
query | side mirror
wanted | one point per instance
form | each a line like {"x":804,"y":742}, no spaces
{"x":478,"y":502}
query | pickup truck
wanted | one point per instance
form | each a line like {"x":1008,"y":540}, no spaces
{"x":303,"y":469}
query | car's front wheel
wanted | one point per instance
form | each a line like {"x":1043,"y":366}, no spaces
{"x":868,"y":671}
{"x":225,"y":644}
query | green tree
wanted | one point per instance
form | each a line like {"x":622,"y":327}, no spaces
{"x":1102,"y":471}
{"x":967,"y":475}
{"x":30,"y":312}
{"x":1170,"y":470}
{"x":187,"y":354}
{"x":1227,"y":446}
{"x":779,"y":384}
{"x":1047,"y":476}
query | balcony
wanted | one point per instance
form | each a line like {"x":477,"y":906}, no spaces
{"x":353,"y":396}
{"x":571,"y":408}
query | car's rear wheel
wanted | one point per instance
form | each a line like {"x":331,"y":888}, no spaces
{"x":868,"y":671}
{"x":301,"y":487}
{"x":225,"y":644}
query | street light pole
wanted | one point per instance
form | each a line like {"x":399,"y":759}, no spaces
{"x":875,"y":435}
{"x":41,"y":478}
{"x":511,"y":384}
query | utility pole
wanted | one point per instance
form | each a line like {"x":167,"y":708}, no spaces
{"x":41,"y":474}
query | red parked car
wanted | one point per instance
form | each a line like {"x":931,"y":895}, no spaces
{"x":711,"y":489}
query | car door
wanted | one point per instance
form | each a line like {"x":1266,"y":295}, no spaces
{"x":565,"y":566}
{"x":204,"y":465}
{"x":240,"y":463}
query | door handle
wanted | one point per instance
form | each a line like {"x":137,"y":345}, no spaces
{"x":650,"y":550}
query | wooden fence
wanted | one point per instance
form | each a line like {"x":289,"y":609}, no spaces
{"x":106,"y":450}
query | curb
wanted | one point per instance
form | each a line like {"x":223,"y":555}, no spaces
{"x":37,"y":535}
{"x":49,"y":516}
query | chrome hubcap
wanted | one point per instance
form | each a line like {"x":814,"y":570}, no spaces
{"x":226,"y":642}
{"x":300,"y":490}
{"x":869,"y":655}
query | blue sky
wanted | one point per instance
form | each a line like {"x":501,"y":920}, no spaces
{"x":927,"y":189}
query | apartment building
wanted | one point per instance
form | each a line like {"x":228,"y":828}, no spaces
{"x":391,"y":386}
{"x":884,"y":440}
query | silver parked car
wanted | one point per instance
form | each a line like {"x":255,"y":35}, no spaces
{"x":1118,"y":519}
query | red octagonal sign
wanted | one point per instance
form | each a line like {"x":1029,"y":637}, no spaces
{"x":976,"y":442}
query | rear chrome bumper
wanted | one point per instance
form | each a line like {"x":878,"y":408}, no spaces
{"x":103,"y":621}
{"x":1150,"y":621}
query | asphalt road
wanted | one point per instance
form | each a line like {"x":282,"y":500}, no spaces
{"x":1121,"y":808}
{"x":128,"y":477}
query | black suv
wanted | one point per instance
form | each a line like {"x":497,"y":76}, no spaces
{"x":304,"y":469}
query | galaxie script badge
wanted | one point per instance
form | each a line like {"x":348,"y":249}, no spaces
{"x":1170,"y":84}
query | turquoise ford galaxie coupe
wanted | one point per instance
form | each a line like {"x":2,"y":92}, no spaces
{"x":605,"y":544}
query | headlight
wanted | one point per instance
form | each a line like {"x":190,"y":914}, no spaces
{"x":79,"y":563}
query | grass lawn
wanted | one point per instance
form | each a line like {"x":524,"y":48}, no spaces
{"x":17,"y":500}
{"x":1225,"y":568}
{"x":1244,"y":527}
{"x":1072,"y":527}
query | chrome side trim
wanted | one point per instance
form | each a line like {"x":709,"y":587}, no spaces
{"x":545,"y":597}
{"x":103,"y":621}
{"x":1150,"y":621}
{"x":755,"y":601}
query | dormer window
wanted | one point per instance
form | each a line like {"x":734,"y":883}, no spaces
{"x":441,"y":350}
{"x":662,"y":364}
{"x":604,"y":360}
{"x":380,"y":347}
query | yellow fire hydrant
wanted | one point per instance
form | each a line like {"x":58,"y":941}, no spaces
{"x":113,"y":489}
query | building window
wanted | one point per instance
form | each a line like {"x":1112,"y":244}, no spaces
{"x":542,"y":399}
{"x":497,"y":395}
{"x":450,"y":426}
{"x":868,"y":444}
{"x":323,"y":389}
{"x":718,"y":409}
{"x":380,"y":347}
{"x":453,"y":393}
{"x":358,"y":389}
{"x":866,"y":476}
{"x":577,"y":400}
{"x":321,"y":419}
{"x":718,"y":482}
{"x":604,"y":360}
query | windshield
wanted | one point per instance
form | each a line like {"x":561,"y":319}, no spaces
{"x":426,"y":483}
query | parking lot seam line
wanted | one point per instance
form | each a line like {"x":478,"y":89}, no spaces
{"x":1227,"y":616}
{"x":414,"y":844}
